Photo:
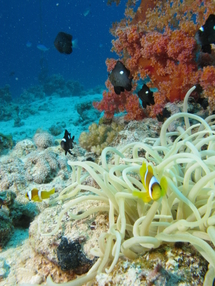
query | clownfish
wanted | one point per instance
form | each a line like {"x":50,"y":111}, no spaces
{"x":37,"y":196}
{"x":154,"y":189}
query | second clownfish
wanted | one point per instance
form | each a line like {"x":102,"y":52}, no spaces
{"x":37,"y":196}
{"x":153,"y":189}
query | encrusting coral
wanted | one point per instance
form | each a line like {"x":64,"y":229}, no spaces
{"x":42,"y":167}
{"x":158,"y":42}
{"x":43,"y":139}
{"x":186,"y":214}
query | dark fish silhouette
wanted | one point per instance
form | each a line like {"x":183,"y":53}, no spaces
{"x":12,"y":73}
{"x":146,"y":96}
{"x":63,"y":43}
{"x":205,"y":36}
{"x":163,"y":115}
{"x":120,"y":78}
{"x":67,"y":142}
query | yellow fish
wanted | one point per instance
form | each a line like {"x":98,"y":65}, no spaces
{"x":154,"y":189}
{"x":37,"y":196}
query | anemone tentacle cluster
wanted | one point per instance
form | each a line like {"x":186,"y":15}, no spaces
{"x":187,"y":212}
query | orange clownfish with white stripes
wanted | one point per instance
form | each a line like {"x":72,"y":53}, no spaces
{"x":37,"y":196}
{"x":153,"y":189}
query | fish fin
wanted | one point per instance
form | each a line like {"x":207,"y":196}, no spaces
{"x":36,"y":199}
{"x":47,"y":194}
{"x":75,"y":43}
{"x":142,"y":195}
{"x":118,"y":89}
{"x":143,"y":170}
{"x":128,"y":87}
{"x":150,"y":170}
{"x":52,"y":191}
{"x":164,"y":186}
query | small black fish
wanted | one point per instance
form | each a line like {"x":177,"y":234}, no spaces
{"x":67,"y":142}
{"x":63,"y":43}
{"x":12,"y":73}
{"x":120,"y":78}
{"x":146,"y":96}
{"x":205,"y":36}
{"x":163,"y":115}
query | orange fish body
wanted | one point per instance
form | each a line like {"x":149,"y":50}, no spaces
{"x":37,"y":196}
{"x":153,"y":189}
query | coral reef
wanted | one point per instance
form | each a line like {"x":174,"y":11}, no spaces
{"x":74,"y":87}
{"x":41,"y":167}
{"x":22,"y":214}
{"x":70,"y":256}
{"x":5,"y":94}
{"x":86,"y":113}
{"x":43,"y":139}
{"x":57,"y":129}
{"x":57,"y":84}
{"x":185,"y":214}
{"x":7,"y":198}
{"x":158,"y":41}
{"x":6,"y":142}
{"x":6,"y":228}
{"x":3,"y":269}
{"x":32,"y":93}
{"x":113,"y":103}
{"x":11,"y":173}
{"x":163,"y":266}
{"x":27,"y":164}
{"x":14,"y":214}
{"x":99,"y":136}
{"x":23,"y":148}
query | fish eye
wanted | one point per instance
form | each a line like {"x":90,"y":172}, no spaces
{"x":147,"y":92}
{"x":201,"y":29}
{"x":121,"y":72}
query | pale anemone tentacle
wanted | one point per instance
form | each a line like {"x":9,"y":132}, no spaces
{"x":186,"y":213}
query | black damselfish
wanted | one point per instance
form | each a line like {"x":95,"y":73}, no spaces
{"x":205,"y":36}
{"x":146,"y":96}
{"x":120,"y":78}
{"x":67,"y":142}
{"x":63,"y":43}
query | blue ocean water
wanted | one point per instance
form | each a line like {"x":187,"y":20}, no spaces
{"x":27,"y":23}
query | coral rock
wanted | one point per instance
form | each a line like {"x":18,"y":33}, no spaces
{"x":43,"y":140}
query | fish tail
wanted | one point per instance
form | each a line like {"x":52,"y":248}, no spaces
{"x":143,"y":169}
{"x":142,"y":173}
{"x":142,"y":195}
{"x":164,"y":186}
{"x":52,"y":191}
{"x":47,"y":194}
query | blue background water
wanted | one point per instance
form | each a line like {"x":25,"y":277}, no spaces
{"x":39,"y":21}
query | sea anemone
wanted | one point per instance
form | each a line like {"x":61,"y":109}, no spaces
{"x":185,"y":214}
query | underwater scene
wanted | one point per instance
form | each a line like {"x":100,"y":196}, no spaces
{"x":107,"y":142}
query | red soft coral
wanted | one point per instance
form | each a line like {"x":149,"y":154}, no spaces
{"x":113,"y":103}
{"x":159,"y":42}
